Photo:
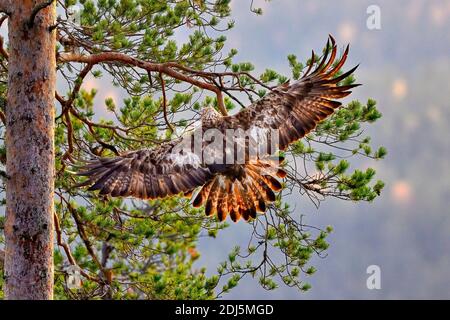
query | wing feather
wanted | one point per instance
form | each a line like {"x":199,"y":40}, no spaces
{"x":156,"y":173}
{"x":296,"y":109}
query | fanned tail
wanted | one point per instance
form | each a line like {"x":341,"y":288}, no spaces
{"x":241,"y":196}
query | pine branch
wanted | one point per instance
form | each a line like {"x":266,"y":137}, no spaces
{"x":65,"y":246}
{"x":168,"y":69}
{"x":163,"y":88}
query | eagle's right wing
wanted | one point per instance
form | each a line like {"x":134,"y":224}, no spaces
{"x":147,"y":174}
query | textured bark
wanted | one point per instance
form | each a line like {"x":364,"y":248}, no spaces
{"x":30,"y":153}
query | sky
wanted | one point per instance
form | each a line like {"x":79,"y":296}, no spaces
{"x":405,"y":66}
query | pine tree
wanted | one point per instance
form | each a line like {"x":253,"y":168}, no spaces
{"x":144,"y":249}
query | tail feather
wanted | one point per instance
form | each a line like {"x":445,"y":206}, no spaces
{"x":267,"y":192}
{"x":281,"y":173}
{"x":222,"y":203}
{"x":240,"y":195}
{"x":273,"y":183}
{"x":203,"y":194}
{"x":259,"y":198}
{"x":233,"y":206}
{"x":211,"y":203}
{"x":262,"y":197}
{"x":250,"y":209}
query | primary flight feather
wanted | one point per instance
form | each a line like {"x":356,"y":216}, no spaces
{"x":237,"y":188}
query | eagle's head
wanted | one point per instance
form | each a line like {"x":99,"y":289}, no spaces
{"x":209,"y":117}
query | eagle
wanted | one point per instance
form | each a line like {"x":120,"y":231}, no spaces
{"x":229,"y":188}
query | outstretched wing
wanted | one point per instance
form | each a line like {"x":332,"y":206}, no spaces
{"x":294,"y":110}
{"x":147,"y":174}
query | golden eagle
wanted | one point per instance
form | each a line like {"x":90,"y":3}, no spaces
{"x":238,"y":189}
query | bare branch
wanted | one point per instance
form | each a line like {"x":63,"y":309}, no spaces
{"x":82,"y":233}
{"x":78,"y":83}
{"x":68,"y":153}
{"x":164,"y":103}
{"x":3,"y":52}
{"x":36,"y":10}
{"x":3,"y":117}
{"x":2,"y":258}
{"x":60,"y":241}
{"x":164,"y":68}
{"x":66,"y":247}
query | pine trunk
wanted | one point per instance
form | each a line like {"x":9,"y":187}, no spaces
{"x":30,"y":152}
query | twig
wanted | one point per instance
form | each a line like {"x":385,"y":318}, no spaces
{"x":83,"y":235}
{"x":68,"y":153}
{"x":2,"y":259}
{"x":3,"y":52}
{"x":3,"y":117}
{"x":60,"y":242}
{"x":163,"y":89}
{"x":78,"y":83}
{"x":66,"y":248}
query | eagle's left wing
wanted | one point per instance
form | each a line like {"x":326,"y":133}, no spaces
{"x":294,"y":110}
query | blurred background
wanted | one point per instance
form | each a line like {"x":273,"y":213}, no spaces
{"x":405,"y":66}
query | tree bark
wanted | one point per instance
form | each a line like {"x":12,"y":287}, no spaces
{"x":30,"y":118}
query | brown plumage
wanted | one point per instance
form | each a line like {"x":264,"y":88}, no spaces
{"x":233,"y":189}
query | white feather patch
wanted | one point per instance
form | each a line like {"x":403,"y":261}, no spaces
{"x":185,"y":158}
